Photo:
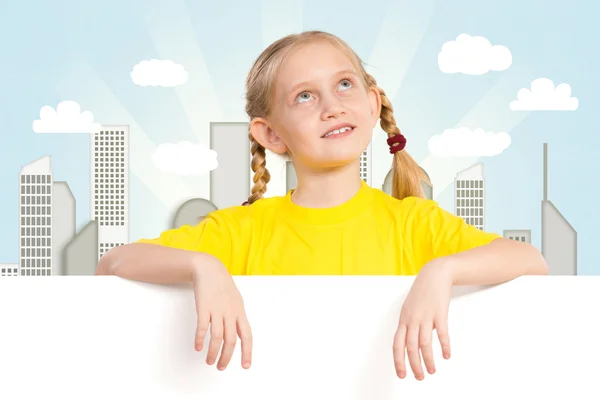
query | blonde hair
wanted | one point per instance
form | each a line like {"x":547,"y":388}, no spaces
{"x":407,"y":175}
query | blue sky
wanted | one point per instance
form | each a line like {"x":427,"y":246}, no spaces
{"x":84,"y":51}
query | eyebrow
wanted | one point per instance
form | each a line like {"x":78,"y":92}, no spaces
{"x":342,"y":72}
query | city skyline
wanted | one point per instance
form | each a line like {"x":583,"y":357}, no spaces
{"x":48,"y":206}
{"x":401,"y":44}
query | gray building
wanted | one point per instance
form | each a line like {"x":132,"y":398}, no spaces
{"x":427,"y":188}
{"x":63,"y":223}
{"x":520,"y":235}
{"x":9,"y":269}
{"x":109,"y":197}
{"x":35,"y":218}
{"x":230,"y":181}
{"x":469,"y":196}
{"x":365,"y":165}
{"x":559,"y":238}
{"x":80,"y":255}
{"x":291,"y":180}
{"x":192,"y":212}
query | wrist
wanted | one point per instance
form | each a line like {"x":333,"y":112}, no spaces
{"x":200,"y":263}
{"x":445,"y":266}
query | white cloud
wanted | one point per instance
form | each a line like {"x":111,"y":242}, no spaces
{"x":473,"y":55}
{"x":185,"y":158}
{"x":464,"y":142}
{"x":544,"y":96}
{"x":159,"y":73}
{"x":67,"y":118}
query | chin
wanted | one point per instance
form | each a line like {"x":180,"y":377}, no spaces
{"x":340,"y":159}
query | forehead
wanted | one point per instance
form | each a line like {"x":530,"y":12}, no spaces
{"x":312,"y":61}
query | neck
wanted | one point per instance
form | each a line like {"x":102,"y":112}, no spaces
{"x":329,"y":188}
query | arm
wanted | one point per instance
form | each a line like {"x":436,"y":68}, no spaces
{"x":153,"y":263}
{"x":472,"y":256}
{"x":199,"y":255}
{"x":174,"y":256}
{"x":499,"y":261}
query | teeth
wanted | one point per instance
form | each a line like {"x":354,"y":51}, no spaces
{"x":337,"y":131}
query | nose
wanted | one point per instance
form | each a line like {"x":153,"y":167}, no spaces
{"x":332,"y":108}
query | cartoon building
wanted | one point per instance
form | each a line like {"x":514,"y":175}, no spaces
{"x":365,"y":165}
{"x":110,"y":186}
{"x":35,"y":218}
{"x":63,"y":224}
{"x":80,"y":255}
{"x":520,"y":235}
{"x":427,"y":188}
{"x":230,"y":182}
{"x":469,"y":196}
{"x":291,"y":180}
{"x":9,"y":269}
{"x":559,"y":238}
{"x":192,"y":212}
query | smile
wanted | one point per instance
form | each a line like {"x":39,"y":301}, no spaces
{"x":344,"y":131}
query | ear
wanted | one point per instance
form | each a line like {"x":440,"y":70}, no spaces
{"x":374,"y":103}
{"x":263,"y":133}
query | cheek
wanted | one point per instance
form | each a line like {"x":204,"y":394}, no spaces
{"x":361,"y":107}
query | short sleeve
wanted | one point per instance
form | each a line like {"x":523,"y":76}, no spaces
{"x":436,"y":232}
{"x":213,"y":235}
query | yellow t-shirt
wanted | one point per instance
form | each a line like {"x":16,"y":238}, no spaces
{"x":371,"y":234}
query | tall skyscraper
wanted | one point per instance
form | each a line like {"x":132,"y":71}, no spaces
{"x":559,"y":238}
{"x":35,"y":218}
{"x":469,"y":196}
{"x":365,"y":165}
{"x":230,"y":181}
{"x":110,"y":186}
{"x":520,"y":235}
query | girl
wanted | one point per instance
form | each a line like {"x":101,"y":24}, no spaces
{"x":310,"y":98}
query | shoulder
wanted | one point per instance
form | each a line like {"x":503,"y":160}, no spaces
{"x":409,"y":208}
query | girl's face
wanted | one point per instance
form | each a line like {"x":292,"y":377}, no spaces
{"x":322,"y":114}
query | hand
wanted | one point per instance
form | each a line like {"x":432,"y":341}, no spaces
{"x":425,"y":309}
{"x":219,"y":303}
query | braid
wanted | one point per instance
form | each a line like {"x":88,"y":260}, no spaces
{"x":261,"y":175}
{"x":388,"y":122}
{"x":407,"y":173}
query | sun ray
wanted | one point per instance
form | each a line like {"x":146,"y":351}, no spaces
{"x":174,"y":37}
{"x":280,"y":18}
{"x":402,"y":30}
{"x":490,"y":113}
{"x":83,"y":84}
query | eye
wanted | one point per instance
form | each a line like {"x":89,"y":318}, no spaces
{"x":303,"y":96}
{"x":346,"y":84}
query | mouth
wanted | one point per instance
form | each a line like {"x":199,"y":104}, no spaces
{"x":339,"y":131}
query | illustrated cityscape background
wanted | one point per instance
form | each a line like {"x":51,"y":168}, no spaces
{"x":49,"y":244}
{"x":476,"y":87}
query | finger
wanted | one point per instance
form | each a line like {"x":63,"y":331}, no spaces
{"x":229,"y":339}
{"x":201,"y":328}
{"x":425,"y":334}
{"x":412,"y":348}
{"x":245,"y":334}
{"x":441,"y":327}
{"x":216,"y":337}
{"x":399,"y":350}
